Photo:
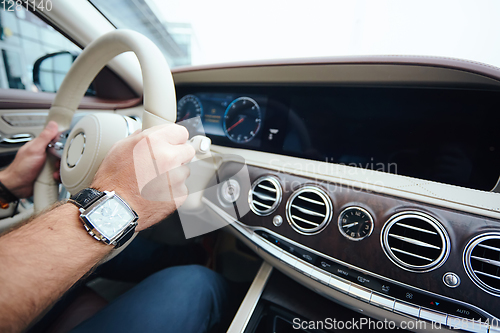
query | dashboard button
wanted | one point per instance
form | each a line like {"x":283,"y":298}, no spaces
{"x":320,"y":276}
{"x":436,"y":317}
{"x":382,"y":301}
{"x":273,"y":250}
{"x":277,"y":220}
{"x":303,"y":268}
{"x":302,"y":254}
{"x":451,"y":280}
{"x":288,"y":259}
{"x":363,"y":294}
{"x":339,"y":285}
{"x":407,"y":309}
{"x":467,"y":325}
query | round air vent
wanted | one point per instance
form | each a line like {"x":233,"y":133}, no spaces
{"x":309,"y":210}
{"x":415,"y":241}
{"x":265,"y":195}
{"x":482,"y":262}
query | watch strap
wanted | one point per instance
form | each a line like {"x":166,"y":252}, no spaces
{"x":6,"y":196}
{"x":127,"y":234}
{"x":86,"y":197}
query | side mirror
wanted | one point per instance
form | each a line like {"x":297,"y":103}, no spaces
{"x":50,"y":70}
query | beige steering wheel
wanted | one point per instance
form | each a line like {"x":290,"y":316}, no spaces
{"x":92,"y":137}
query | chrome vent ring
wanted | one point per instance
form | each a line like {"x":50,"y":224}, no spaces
{"x":265,"y":195}
{"x":309,"y":210}
{"x":415,"y":241}
{"x":482,"y":262}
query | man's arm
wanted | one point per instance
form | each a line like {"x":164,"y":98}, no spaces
{"x":44,"y":258}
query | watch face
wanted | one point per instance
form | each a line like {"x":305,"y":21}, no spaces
{"x":111,"y":217}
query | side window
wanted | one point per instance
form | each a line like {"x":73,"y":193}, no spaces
{"x":26,"y":42}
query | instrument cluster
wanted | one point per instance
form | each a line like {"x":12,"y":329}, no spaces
{"x":235,"y":117}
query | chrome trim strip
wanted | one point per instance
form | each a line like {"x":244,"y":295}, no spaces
{"x":414,"y":241}
{"x":267,"y":188}
{"x":263,"y":196}
{"x":247,"y":307}
{"x":445,"y":239}
{"x":81,"y":154}
{"x":304,"y":220}
{"x":311,"y":200}
{"x":248,"y":232}
{"x":489,"y":247}
{"x":416,"y":228}
{"x":488,"y":261}
{"x":410,"y":254}
{"x":261,"y":204}
{"x":307,"y":211}
{"x":486,"y":274}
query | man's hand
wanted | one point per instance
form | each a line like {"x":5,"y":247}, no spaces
{"x":53,"y":251}
{"x":21,"y":174}
{"x":123,"y":166}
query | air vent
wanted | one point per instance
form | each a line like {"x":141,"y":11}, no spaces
{"x":415,"y":241}
{"x":265,"y":195}
{"x":482,"y":262}
{"x":309,"y":210}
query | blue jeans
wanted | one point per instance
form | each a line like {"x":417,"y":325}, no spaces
{"x":178,"y":299}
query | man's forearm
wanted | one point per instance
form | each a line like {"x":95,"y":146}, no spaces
{"x":41,"y":261}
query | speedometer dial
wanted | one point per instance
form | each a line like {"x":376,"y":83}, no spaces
{"x":188,"y":108}
{"x":242,"y":120}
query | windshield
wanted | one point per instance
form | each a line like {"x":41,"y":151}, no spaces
{"x":196,"y":32}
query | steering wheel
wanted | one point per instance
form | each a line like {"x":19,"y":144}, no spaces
{"x":90,"y":139}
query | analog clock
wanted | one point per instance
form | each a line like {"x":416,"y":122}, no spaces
{"x":355,"y":223}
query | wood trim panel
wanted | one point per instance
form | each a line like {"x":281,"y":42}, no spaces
{"x":22,"y":99}
{"x":368,"y":253}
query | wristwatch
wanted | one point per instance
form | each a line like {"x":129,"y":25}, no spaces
{"x":106,"y":216}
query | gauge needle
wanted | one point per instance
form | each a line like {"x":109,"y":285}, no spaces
{"x":350,"y":225}
{"x":236,"y":124}
{"x":185,"y":117}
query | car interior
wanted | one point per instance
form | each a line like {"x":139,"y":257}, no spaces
{"x":357,"y":188}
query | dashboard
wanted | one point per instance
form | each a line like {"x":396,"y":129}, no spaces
{"x":371,"y":182}
{"x":444,"y":135}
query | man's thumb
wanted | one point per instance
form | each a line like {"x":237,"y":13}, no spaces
{"x":49,"y":132}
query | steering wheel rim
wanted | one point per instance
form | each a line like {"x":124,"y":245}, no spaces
{"x":158,"y":98}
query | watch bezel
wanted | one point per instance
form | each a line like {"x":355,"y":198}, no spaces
{"x":93,"y":231}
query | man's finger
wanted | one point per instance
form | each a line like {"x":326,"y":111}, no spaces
{"x":172,"y":156}
{"x":49,"y":132}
